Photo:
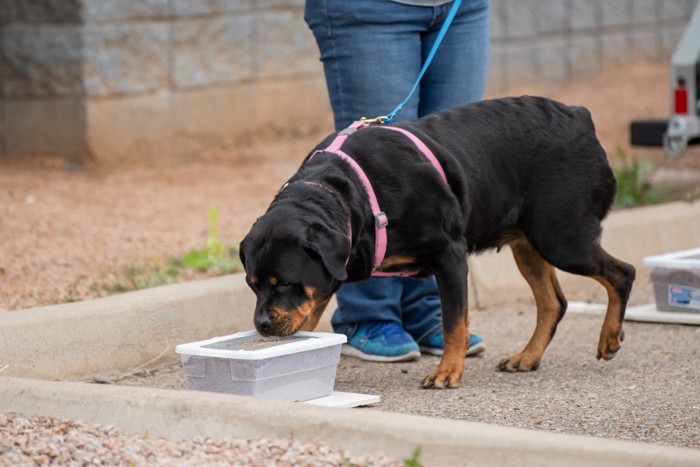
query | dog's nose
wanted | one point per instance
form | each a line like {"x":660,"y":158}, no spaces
{"x":263,"y":325}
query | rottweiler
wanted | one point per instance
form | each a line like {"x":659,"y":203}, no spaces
{"x":527,"y":172}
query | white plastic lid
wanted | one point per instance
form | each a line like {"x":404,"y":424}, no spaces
{"x":687,"y":259}
{"x":271,"y":346}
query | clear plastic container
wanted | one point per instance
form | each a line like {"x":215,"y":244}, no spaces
{"x":299,"y":367}
{"x":676,"y":280}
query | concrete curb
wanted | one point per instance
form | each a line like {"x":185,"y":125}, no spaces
{"x":77,"y":340}
{"x":180,"y":415}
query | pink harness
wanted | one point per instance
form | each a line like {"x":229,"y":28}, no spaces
{"x":380,"y":219}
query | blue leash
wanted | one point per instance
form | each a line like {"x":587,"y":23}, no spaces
{"x":436,"y":44}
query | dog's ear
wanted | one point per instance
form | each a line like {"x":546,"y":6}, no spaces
{"x":331,"y":246}
{"x":241,"y":252}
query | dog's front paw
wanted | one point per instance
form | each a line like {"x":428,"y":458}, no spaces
{"x":443,"y":378}
{"x":519,"y":362}
{"x":609,"y":344}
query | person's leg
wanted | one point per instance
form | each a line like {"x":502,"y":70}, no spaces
{"x":420,"y":314}
{"x":371,"y":53}
{"x":459,"y":70}
{"x":457,"y":75}
{"x":373,"y":298}
{"x":420,"y":308}
{"x":369,"y":313}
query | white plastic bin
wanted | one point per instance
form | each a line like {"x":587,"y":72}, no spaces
{"x":676,"y":279}
{"x":299,"y":367}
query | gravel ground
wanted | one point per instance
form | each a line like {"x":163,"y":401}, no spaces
{"x":81,"y":227}
{"x":49,"y":441}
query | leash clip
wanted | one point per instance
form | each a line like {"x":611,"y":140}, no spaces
{"x":380,"y":119}
{"x":380,"y":220}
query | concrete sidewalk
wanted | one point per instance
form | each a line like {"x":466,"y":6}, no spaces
{"x":75,"y":341}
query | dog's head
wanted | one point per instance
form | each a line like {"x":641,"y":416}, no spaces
{"x":293,"y":263}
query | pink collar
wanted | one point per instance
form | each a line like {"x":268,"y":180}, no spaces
{"x":380,"y":219}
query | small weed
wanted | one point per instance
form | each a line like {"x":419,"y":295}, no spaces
{"x":633,"y":186}
{"x":214,"y":254}
{"x":139,"y":277}
{"x":215,"y":259}
{"x":414,"y":460}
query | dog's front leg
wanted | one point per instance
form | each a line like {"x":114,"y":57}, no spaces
{"x":452,"y":284}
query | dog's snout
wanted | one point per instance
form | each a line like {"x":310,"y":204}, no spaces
{"x":263,"y":324}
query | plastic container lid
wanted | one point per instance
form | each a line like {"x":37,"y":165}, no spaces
{"x":687,"y":259}
{"x":249,"y":345}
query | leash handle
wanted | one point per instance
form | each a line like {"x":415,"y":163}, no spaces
{"x":443,"y":30}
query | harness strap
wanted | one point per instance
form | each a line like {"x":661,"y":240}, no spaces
{"x":380,"y":218}
{"x":422,"y":147}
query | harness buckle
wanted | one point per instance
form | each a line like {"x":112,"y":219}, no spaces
{"x":380,"y":119}
{"x":380,"y":220}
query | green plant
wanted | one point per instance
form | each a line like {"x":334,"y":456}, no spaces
{"x":214,"y":254}
{"x":414,"y":460}
{"x":152,"y":274}
{"x":633,"y":186}
{"x":214,"y":259}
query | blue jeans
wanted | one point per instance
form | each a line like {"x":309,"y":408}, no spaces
{"x":372,"y":52}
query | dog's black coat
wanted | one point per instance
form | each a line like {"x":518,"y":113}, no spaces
{"x":523,"y":168}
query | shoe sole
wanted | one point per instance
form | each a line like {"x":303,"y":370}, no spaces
{"x":351,"y":351}
{"x":473,"y":350}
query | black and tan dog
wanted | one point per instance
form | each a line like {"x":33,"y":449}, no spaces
{"x":527,"y":172}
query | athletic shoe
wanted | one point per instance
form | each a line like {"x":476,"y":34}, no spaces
{"x":382,"y":341}
{"x":436,"y":344}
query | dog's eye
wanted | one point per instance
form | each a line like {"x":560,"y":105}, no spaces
{"x":252,"y":284}
{"x":281,"y":285}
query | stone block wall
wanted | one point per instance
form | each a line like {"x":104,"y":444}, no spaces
{"x":119,"y":80}
{"x":555,"y":40}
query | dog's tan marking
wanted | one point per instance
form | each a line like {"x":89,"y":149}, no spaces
{"x":307,"y":315}
{"x":396,"y":260}
{"x":449,"y":372}
{"x":611,"y":333}
{"x":272,"y":280}
{"x":253,"y":280}
{"x":280,"y":321}
{"x":319,"y":306}
{"x":550,"y":302}
{"x":310,"y":292}
{"x":303,"y":317}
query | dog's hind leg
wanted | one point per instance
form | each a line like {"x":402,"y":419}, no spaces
{"x":617,"y":277}
{"x":589,"y":259}
{"x":550,"y":301}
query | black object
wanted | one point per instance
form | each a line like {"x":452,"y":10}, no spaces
{"x":648,"y":132}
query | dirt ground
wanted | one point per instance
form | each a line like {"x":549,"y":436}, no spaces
{"x":69,"y":233}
